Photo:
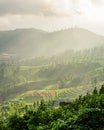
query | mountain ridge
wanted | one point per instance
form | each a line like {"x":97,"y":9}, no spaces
{"x":34,"y":42}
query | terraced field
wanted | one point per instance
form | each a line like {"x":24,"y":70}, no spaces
{"x":38,"y":78}
{"x":37,"y":95}
{"x":66,"y":94}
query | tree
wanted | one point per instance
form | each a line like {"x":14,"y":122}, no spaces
{"x":95,"y":91}
{"x":101,"y":91}
{"x":90,"y":119}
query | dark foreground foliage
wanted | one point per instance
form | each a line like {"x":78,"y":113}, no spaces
{"x":85,"y":113}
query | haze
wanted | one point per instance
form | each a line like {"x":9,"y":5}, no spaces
{"x":51,"y":15}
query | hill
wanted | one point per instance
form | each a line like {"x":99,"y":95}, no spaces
{"x":63,"y":77}
{"x":32,"y":42}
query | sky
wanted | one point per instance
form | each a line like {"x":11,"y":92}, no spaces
{"x":52,"y":15}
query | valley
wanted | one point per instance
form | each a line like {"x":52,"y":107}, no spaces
{"x":61,"y":77}
{"x":51,"y":81}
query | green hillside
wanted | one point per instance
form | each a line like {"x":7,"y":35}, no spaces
{"x":31,"y":42}
{"x":67,"y":75}
{"x":86,"y":112}
{"x":29,"y":72}
{"x":42,"y":90}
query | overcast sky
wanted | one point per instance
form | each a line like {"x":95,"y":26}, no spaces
{"x":52,"y":15}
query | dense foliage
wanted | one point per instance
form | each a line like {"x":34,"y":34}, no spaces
{"x":85,"y":113}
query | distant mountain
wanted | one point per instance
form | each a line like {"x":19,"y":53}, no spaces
{"x":32,"y":42}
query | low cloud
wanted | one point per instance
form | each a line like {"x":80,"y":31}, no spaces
{"x":51,"y":14}
{"x":34,"y":7}
{"x":43,"y":7}
{"x":98,"y":2}
{"x":47,"y":7}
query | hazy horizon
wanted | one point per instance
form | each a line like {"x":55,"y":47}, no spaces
{"x":52,"y":15}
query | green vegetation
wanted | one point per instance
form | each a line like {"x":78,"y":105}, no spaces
{"x":70,"y":74}
{"x":49,"y":92}
{"x":84,"y":113}
{"x":26,"y":43}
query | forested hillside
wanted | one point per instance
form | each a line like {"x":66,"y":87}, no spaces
{"x":84,"y":113}
{"x":26,"y":43}
{"x":42,"y":89}
{"x":63,"y":77}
